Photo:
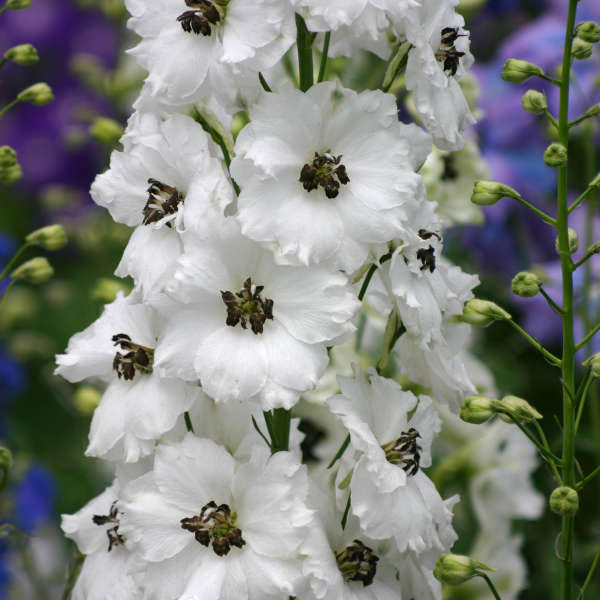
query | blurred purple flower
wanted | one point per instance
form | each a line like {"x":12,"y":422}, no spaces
{"x":35,"y":496}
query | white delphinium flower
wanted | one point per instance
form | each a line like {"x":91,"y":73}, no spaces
{"x":390,"y":494}
{"x":189,"y":47}
{"x":326,"y":174}
{"x":215,"y":529}
{"x":166,"y":183}
{"x":439,"y":57}
{"x":96,"y":530}
{"x":246,"y":327}
{"x":139,"y":404}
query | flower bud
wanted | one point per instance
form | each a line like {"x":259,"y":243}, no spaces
{"x":564,"y":501}
{"x":51,"y":237}
{"x":595,"y":182}
{"x":477,"y":409}
{"x":106,"y":130}
{"x":526,"y":284}
{"x":593,"y":111}
{"x":39,"y":94}
{"x":534,"y":102}
{"x":520,"y":409}
{"x":486,"y":193}
{"x":12,"y":174}
{"x":555,"y":155}
{"x":573,"y":242}
{"x":106,"y":289}
{"x":483,"y":313}
{"x":455,"y":569}
{"x":8,"y":157}
{"x":518,"y":71}
{"x":23,"y":54}
{"x":581,"y":49}
{"x":86,"y":399}
{"x":6,"y":458}
{"x":35,"y":270}
{"x":588,"y":31}
{"x":17,"y":4}
{"x":594,"y":363}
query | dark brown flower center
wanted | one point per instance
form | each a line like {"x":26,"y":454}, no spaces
{"x":358,"y":563}
{"x":405,"y":452}
{"x":448,"y":55}
{"x":162,"y":200}
{"x":137,"y":358}
{"x":450,"y":172}
{"x":248,"y":306}
{"x":427,"y":255}
{"x":202,"y":16}
{"x":326,"y":171}
{"x":216,"y":525}
{"x":114,"y":537}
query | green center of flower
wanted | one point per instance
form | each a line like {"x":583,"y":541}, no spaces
{"x":326,"y":171}
{"x":248,"y":306}
{"x":448,"y":55}
{"x":405,"y":452}
{"x":137,"y":358}
{"x":162,"y":200}
{"x":202,"y":16}
{"x":215,"y":525}
{"x":114,"y":537}
{"x":358,"y":563}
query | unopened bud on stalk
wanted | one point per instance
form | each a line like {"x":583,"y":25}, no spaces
{"x":520,"y":409}
{"x":486,"y":193}
{"x":595,"y":182}
{"x":10,"y":170}
{"x":534,"y":102}
{"x":39,"y":94}
{"x":483,"y":313}
{"x":86,"y":399}
{"x":11,"y":174}
{"x":588,"y":31}
{"x":594,"y":363}
{"x":526,"y":284}
{"x":8,"y":157}
{"x":581,"y":49}
{"x":51,"y":237}
{"x":23,"y":54}
{"x":518,"y":71}
{"x":477,"y":409}
{"x":455,"y":569}
{"x":564,"y":501}
{"x":555,"y":155}
{"x":35,"y":270}
{"x":17,"y":4}
{"x":106,"y":130}
{"x":6,"y":458}
{"x":106,"y":289}
{"x":593,"y":111}
{"x":573,"y":242}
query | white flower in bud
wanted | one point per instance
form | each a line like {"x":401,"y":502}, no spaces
{"x":482,"y":313}
{"x":555,"y":155}
{"x":17,"y":4}
{"x":520,"y":409}
{"x":526,"y":284}
{"x":581,"y":49}
{"x":588,"y":31}
{"x":35,"y":270}
{"x":478,"y":409}
{"x":534,"y":102}
{"x":51,"y":237}
{"x":39,"y":94}
{"x":573,"y":241}
{"x":518,"y":71}
{"x":564,"y":501}
{"x":593,"y":111}
{"x":487,"y":193}
{"x":106,"y":130}
{"x":23,"y":54}
{"x":594,"y":363}
{"x":455,"y":569}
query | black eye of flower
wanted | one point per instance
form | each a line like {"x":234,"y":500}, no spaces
{"x":405,"y":451}
{"x":326,"y":171}
{"x":136,"y":359}
{"x":201,"y":17}
{"x":248,"y":306}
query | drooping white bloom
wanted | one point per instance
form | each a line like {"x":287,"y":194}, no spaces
{"x":390,"y":494}
{"x":164,"y":183}
{"x":190,"y":48}
{"x":215,"y":529}
{"x":139,"y":404}
{"x":438,"y":58}
{"x":326,"y":174}
{"x":246,"y":327}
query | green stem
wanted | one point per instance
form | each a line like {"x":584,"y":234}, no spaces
{"x":491,"y":586}
{"x":10,"y":105}
{"x":264,"y":83}
{"x":588,"y":337}
{"x":587,"y":256}
{"x":584,"y":395}
{"x":546,"y":445}
{"x":346,"y":511}
{"x":568,"y":355}
{"x":581,"y":199}
{"x":579,"y":120}
{"x":540,"y":213}
{"x":305,"y":54}
{"x":546,"y":453}
{"x":278,"y":423}
{"x":551,"y":302}
{"x":340,"y":452}
{"x":324,"y":57}
{"x":551,"y":118}
{"x":188,"y":422}
{"x":590,"y":574}
{"x":74,"y":570}
{"x":547,"y":354}
{"x":6,"y":292}
{"x":556,"y":82}
{"x":587,"y":479}
{"x":13,"y":260}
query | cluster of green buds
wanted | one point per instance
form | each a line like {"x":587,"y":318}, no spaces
{"x":555,"y":156}
{"x":479,"y":409}
{"x":564,"y":501}
{"x":456,"y":569}
{"x":526,"y":284}
{"x":482,"y":313}
{"x":587,"y":34}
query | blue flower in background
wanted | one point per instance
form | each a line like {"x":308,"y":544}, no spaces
{"x":35,"y":497}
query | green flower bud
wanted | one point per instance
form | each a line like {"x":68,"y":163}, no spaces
{"x":564,"y":501}
{"x":588,"y":31}
{"x":483,"y":313}
{"x":35,"y":270}
{"x":51,"y":237}
{"x":39,"y":94}
{"x":595,"y":182}
{"x":581,"y":49}
{"x":594,"y":111}
{"x":518,"y":71}
{"x":534,"y":102}
{"x":526,"y":284}
{"x":17,"y":4}
{"x":6,"y":458}
{"x":23,"y":54}
{"x":8,"y":157}
{"x":555,"y":155}
{"x":520,"y":409}
{"x":106,"y":130}
{"x":573,"y":242}
{"x":455,"y":569}
{"x":486,"y":193}
{"x":594,"y":363}
{"x":11,"y":174}
{"x":86,"y":399}
{"x":106,"y":289}
{"x":477,"y":409}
